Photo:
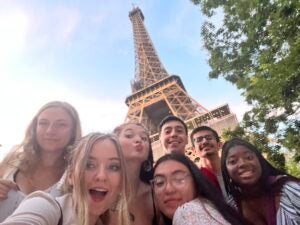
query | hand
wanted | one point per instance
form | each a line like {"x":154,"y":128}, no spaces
{"x":5,"y":187}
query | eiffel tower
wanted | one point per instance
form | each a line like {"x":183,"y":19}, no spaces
{"x":156,"y":94}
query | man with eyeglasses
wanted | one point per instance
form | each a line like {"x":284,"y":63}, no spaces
{"x":206,"y":144}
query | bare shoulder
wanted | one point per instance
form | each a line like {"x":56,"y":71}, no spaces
{"x":141,"y":207}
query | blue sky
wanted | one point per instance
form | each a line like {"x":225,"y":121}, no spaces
{"x":82,"y":52}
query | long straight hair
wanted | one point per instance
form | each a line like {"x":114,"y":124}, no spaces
{"x":78,"y":161}
{"x":204,"y":189}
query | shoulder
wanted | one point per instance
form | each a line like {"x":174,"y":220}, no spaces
{"x":291,"y":186}
{"x":290,"y":192}
{"x":197,"y":211}
{"x":145,"y":196}
{"x":194,"y":204}
{"x":289,"y":206}
{"x":37,"y":208}
{"x":189,"y":211}
{"x":40,"y":201}
{"x":142,"y":206}
{"x":40,"y":195}
{"x":186,"y":212}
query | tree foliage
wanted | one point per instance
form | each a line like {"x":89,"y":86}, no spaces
{"x":257,"y":48}
{"x":263,"y":144}
{"x":293,"y":168}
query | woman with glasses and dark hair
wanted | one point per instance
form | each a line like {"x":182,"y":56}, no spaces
{"x":185,"y":196}
{"x":260,"y":192}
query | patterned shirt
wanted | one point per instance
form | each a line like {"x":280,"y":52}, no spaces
{"x":198,"y":211}
{"x":288,"y":212}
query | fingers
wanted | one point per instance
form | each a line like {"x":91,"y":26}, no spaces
{"x":5,"y":187}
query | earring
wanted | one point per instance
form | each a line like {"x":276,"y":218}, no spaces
{"x":147,"y":166}
{"x":115,"y":205}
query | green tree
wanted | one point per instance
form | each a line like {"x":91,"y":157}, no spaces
{"x":257,"y":48}
{"x":263,"y":144}
{"x":293,"y":168}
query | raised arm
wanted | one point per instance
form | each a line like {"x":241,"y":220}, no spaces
{"x":5,"y":187}
{"x":38,"y":208}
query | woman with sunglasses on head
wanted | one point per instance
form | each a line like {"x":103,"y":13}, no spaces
{"x":185,"y":196}
{"x":96,"y":182}
{"x":261,"y":193}
{"x":137,"y":152}
{"x":38,"y":163}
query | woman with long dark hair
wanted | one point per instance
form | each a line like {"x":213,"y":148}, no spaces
{"x":186,"y":197}
{"x":261,"y":193}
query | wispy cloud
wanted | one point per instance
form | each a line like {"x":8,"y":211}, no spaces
{"x":13,"y":29}
{"x":67,"y":22}
{"x":96,"y":114}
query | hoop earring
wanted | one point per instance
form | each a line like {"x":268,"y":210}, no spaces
{"x":147,"y":166}
{"x":115,"y":205}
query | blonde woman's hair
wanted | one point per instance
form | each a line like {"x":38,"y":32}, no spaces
{"x":24,"y":155}
{"x":145,"y":175}
{"x":78,"y":160}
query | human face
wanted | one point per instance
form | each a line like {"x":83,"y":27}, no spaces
{"x":135,"y":142}
{"x":173,"y":185}
{"x":205,"y":144}
{"x":173,"y":137}
{"x":53,"y":129}
{"x":243,"y":166}
{"x":102,"y":177}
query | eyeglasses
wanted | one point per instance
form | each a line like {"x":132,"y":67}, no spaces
{"x":199,"y":139}
{"x":177,"y":180}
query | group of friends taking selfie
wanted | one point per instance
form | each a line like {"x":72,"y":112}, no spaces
{"x":57,"y":176}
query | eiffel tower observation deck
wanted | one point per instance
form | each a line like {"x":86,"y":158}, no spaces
{"x":156,"y":94}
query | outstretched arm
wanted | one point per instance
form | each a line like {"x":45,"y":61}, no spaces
{"x":38,"y":208}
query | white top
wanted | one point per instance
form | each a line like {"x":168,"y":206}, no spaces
{"x":14,"y":198}
{"x":40,"y":208}
{"x":198,"y":211}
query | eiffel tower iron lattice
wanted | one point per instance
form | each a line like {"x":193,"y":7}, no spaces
{"x":156,"y":94}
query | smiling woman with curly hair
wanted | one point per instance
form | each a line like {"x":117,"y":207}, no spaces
{"x":260,"y":192}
